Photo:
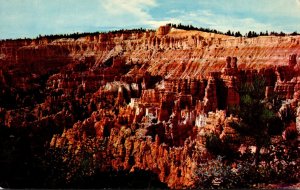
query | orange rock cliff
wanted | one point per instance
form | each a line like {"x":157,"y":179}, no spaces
{"x":152,"y":95}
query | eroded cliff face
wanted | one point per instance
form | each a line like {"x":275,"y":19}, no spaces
{"x":152,"y":96}
{"x":199,"y":52}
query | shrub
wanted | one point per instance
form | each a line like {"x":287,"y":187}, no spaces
{"x":216,"y":174}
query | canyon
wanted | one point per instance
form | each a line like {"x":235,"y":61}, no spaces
{"x":140,"y":100}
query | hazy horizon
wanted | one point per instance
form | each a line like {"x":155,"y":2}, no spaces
{"x":30,"y":18}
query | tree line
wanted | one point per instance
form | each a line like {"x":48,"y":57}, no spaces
{"x":76,"y":35}
{"x":79,"y":35}
{"x":249,"y":34}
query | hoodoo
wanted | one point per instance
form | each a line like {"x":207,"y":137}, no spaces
{"x":146,"y":100}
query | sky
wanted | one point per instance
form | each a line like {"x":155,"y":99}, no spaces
{"x":29,"y":18}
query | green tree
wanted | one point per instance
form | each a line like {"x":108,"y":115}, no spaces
{"x":238,"y":34}
{"x":256,"y":114}
{"x":228,"y":33}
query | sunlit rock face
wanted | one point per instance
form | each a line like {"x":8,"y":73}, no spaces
{"x":298,"y":121}
{"x":153,"y":95}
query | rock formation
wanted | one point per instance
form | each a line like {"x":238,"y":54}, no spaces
{"x":153,"y":96}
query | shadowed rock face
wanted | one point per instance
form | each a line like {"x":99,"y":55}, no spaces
{"x":145,"y":93}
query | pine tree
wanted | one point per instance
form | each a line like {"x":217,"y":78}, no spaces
{"x":256,"y":117}
{"x":238,"y":34}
